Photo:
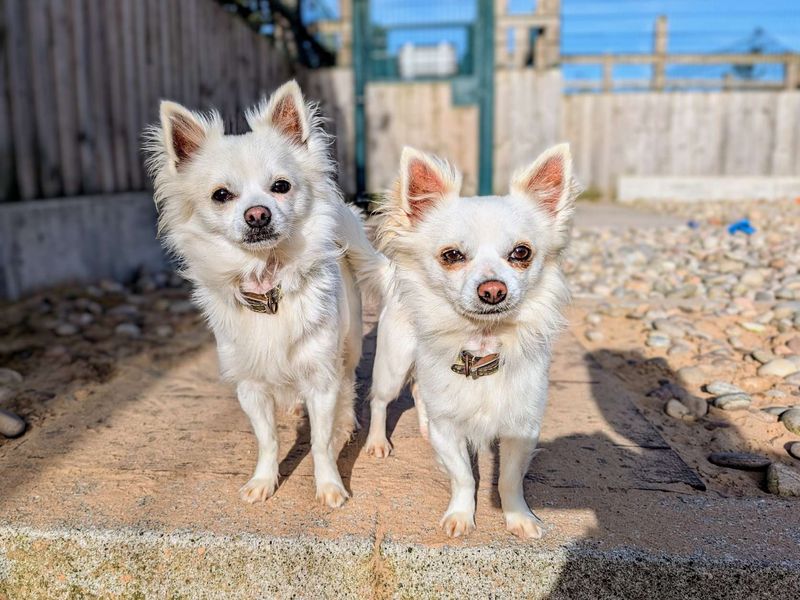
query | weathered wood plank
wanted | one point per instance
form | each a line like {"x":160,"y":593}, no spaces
{"x":99,"y":97}
{"x":7,"y":174}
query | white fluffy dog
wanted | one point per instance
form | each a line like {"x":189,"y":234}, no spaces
{"x":477,"y":299}
{"x":265,"y":237}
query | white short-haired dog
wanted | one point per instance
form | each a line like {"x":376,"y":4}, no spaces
{"x":264,"y":235}
{"x":477,"y":300}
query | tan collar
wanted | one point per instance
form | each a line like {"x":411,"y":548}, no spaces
{"x":266,"y":303}
{"x":476,"y":366}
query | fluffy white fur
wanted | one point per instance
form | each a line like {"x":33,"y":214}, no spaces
{"x":433,"y":312}
{"x":308,"y":351}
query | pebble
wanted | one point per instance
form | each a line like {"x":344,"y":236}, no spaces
{"x":595,"y":336}
{"x":668,"y":328}
{"x":763,"y":356}
{"x":794,"y":344}
{"x":733,"y":401}
{"x":65,"y":329}
{"x":794,"y":450}
{"x":10,"y":424}
{"x":677,"y":409}
{"x":658,"y":340}
{"x":775,"y":410}
{"x":783,"y":480}
{"x":753,"y":327}
{"x":739,"y":460}
{"x":778,"y":367}
{"x":679,"y":349}
{"x":9,"y":376}
{"x":720,"y":388}
{"x":128,"y":329}
{"x":791,"y":420}
{"x":164,"y":331}
{"x":594,"y":318}
{"x":692,"y":375}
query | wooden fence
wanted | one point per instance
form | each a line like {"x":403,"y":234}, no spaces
{"x":682,"y":133}
{"x":79,"y":79}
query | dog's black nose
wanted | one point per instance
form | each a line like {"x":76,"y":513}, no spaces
{"x":257,"y":216}
{"x":492,"y":291}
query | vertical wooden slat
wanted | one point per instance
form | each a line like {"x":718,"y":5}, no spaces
{"x":7,"y":175}
{"x":116,"y":85}
{"x":40,"y":68}
{"x":146,"y":110}
{"x":85,"y":117}
{"x":100,"y":95}
{"x":130,"y":97}
{"x":65,"y":67}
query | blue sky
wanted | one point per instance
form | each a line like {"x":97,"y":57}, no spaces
{"x":598,"y":26}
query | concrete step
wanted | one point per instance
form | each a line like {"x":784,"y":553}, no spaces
{"x":132,"y":492}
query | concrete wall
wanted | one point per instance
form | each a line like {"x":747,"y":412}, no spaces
{"x":46,"y":243}
{"x":682,"y":133}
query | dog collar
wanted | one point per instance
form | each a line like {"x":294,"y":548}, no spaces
{"x":476,"y":366}
{"x":264,"y":303}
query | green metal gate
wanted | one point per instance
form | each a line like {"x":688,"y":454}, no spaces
{"x":426,"y":40}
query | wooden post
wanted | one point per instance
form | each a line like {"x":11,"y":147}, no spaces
{"x":660,"y":52}
{"x":608,"y":73}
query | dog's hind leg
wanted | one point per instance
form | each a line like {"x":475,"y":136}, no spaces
{"x":394,"y":355}
{"x":259,"y":405}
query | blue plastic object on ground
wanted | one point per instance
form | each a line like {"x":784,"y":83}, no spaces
{"x":742,"y":225}
{"x":693,"y":224}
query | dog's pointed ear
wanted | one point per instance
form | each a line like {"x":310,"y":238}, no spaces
{"x":183,"y":133}
{"x":425,"y":180}
{"x":286,"y":111}
{"x":550,"y":184}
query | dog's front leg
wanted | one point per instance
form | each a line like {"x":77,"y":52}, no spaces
{"x":515,"y":456}
{"x":451,"y":447}
{"x":259,"y":405}
{"x":321,"y":405}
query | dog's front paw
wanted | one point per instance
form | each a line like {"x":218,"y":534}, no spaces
{"x":525,"y":526}
{"x":258,"y":489}
{"x":332,"y":494}
{"x":458,"y":524}
{"x":379,"y":448}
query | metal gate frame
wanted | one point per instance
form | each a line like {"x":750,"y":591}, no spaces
{"x":476,"y":88}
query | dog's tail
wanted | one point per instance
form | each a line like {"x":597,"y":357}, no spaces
{"x":373,"y":271}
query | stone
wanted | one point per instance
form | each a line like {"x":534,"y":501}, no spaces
{"x":66,"y":329}
{"x":783,"y":480}
{"x":11,"y":425}
{"x":754,"y":384}
{"x":763,"y":356}
{"x":658,"y":340}
{"x":791,"y":420}
{"x":669,"y":328}
{"x":128,"y":329}
{"x":676,"y":409}
{"x":720,"y":388}
{"x":753,"y":327}
{"x":775,"y":410}
{"x":739,"y":460}
{"x":794,"y":344}
{"x":733,"y":401}
{"x":679,"y":349}
{"x":692,"y":375}
{"x":778,"y":367}
{"x":794,"y":450}
{"x":594,"y":318}
{"x":595,"y":336}
{"x":9,"y":376}
{"x":164,"y":331}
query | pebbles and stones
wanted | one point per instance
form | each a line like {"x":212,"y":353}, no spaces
{"x":779,"y":367}
{"x":677,"y":410}
{"x":128,"y":329}
{"x":594,"y":335}
{"x":721,"y":388}
{"x":794,"y":450}
{"x":763,"y":356}
{"x":739,"y":460}
{"x":791,"y":420}
{"x":738,"y":401}
{"x":783,"y":480}
{"x":658,"y":340}
{"x":775,"y":410}
{"x":10,"y":424}
{"x":692,"y":375}
{"x":66,"y":329}
{"x":9,"y":377}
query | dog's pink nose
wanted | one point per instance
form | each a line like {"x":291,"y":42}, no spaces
{"x":492,"y":291}
{"x":257,"y":216}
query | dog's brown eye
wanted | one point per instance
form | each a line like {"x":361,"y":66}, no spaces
{"x":281,"y":186}
{"x":520,"y":253}
{"x":453,"y":256}
{"x":221,"y":195}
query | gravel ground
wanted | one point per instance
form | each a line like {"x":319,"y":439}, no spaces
{"x":705,"y":324}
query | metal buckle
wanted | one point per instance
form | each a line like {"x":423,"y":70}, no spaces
{"x":264,"y":303}
{"x":476,"y":366}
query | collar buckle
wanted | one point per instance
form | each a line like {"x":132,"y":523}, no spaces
{"x":473,"y":366}
{"x":264,"y":303}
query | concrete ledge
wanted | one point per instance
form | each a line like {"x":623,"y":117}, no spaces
{"x":44,"y":243}
{"x":699,"y":189}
